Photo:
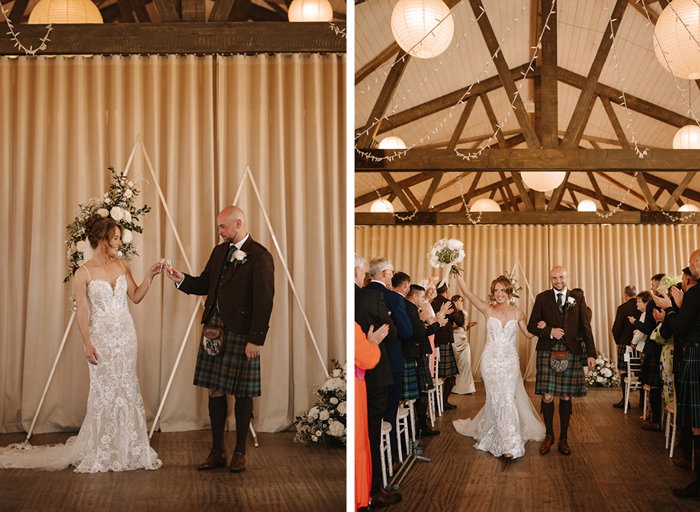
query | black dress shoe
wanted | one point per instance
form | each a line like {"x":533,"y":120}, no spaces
{"x":384,"y":499}
{"x":448,"y":406}
{"x":426,"y":432}
{"x":689,"y":492}
{"x":620,"y":404}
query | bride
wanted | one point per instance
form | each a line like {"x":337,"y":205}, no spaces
{"x":113,"y":434}
{"x":508,"y":419}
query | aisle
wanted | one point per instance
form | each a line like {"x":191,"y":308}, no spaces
{"x":614,"y":466}
{"x":281,"y":476}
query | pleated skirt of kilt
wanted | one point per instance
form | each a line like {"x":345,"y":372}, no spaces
{"x":621,"y":363}
{"x":410,"y":383}
{"x":572,"y":382}
{"x":651,"y":371}
{"x":230,"y":372}
{"x":447,"y":366}
{"x":689,"y":397}
{"x":425,"y":381}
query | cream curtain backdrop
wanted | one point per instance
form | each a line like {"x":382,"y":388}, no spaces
{"x":202,"y":119}
{"x":601,"y":260}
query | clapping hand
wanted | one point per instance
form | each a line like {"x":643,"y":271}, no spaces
{"x":662,"y":301}
{"x":631,"y":319}
{"x":659,"y":315}
{"x":677,"y":294}
{"x":445,"y":309}
{"x":377,"y":336}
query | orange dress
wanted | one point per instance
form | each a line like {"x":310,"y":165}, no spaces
{"x":366,"y":357}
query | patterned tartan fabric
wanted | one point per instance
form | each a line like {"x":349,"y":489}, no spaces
{"x":572,"y":382}
{"x":447,"y":365}
{"x":689,"y":398}
{"x":651,"y":371}
{"x":410,"y":384}
{"x":230,"y":372}
{"x":425,"y":381}
{"x":621,"y":363}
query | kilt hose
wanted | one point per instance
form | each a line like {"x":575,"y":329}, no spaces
{"x":689,"y":397}
{"x":571,"y":382}
{"x":230,"y":372}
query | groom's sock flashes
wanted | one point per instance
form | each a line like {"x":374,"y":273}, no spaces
{"x":218,"y":410}
{"x":564,"y":415}
{"x":244,"y":411}
{"x":547,"y":409}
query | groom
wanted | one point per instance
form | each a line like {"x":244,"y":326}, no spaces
{"x":559,"y":370}
{"x":239,"y":284}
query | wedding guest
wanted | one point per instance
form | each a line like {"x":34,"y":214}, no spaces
{"x":623,"y":331}
{"x":639,"y":338}
{"x":589,"y":313}
{"x":444,"y":338}
{"x":430,"y":294}
{"x":464,"y":382}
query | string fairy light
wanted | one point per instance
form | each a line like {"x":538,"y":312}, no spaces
{"x":31,"y":50}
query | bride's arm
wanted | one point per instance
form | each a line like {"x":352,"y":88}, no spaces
{"x":479,"y":304}
{"x":137,"y":293}
{"x":523,"y":324}
{"x":80,"y":282}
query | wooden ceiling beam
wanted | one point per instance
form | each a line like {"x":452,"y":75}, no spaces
{"x":473,"y":192}
{"x":239,"y":11}
{"x":139,"y":9}
{"x":584,"y":123}
{"x":127,"y":16}
{"x":220,"y":11}
{"x":573,"y":197}
{"x":669,"y":186}
{"x":679,"y":190}
{"x":425,"y":206}
{"x":606,"y":200}
{"x":166,"y":11}
{"x":258,"y":13}
{"x":651,"y":200}
{"x":409,"y":193}
{"x":558,"y":194}
{"x":659,"y":192}
{"x":549,"y":86}
{"x":599,"y":194}
{"x":17,"y":11}
{"x":587,"y":95}
{"x":174,"y":38}
{"x":396,"y":189}
{"x":638,"y":7}
{"x":615,"y":123}
{"x":506,"y":186}
{"x":462,"y":122}
{"x":504,"y":73}
{"x":408,"y":182}
{"x":494,"y":122}
{"x":374,"y":64}
{"x":518,"y":180}
{"x":621,"y":186}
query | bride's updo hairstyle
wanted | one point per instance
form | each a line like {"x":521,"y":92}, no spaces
{"x":506,"y":284}
{"x":99,"y":228}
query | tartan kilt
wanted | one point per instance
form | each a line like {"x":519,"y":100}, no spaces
{"x":230,"y":372}
{"x":621,"y":363}
{"x":689,"y":397}
{"x":651,"y":371}
{"x":410,"y":384}
{"x":447,"y":366}
{"x":572,"y":382}
{"x":425,"y":381}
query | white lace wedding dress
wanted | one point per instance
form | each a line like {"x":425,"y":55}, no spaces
{"x":508,"y":419}
{"x":113,"y":436}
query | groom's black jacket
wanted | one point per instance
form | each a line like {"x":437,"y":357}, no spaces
{"x":418,"y":344}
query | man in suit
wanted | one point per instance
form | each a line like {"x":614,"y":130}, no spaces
{"x":238,"y":281}
{"x":381,"y":271}
{"x":566,"y":323}
{"x":371,"y":311}
{"x":623,"y":332}
{"x":444,"y":338}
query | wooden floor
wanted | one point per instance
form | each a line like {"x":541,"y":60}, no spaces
{"x":614,"y":466}
{"x":281,"y":476}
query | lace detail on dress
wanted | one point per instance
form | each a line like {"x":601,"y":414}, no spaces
{"x":508,"y":419}
{"x":113,"y":436}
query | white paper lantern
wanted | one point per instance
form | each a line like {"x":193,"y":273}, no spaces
{"x":543,"y":181}
{"x":688,"y":208}
{"x":679,"y":43}
{"x":64,"y":11}
{"x":687,"y":137}
{"x":382,"y":206}
{"x":485,"y":205}
{"x":310,"y":10}
{"x":422,"y":28}
{"x":587,"y":206}
{"x":392,"y":143}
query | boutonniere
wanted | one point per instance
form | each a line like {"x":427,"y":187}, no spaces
{"x":239,"y":258}
{"x":570,"y":302}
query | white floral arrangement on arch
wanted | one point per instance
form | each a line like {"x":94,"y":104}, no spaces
{"x":604,"y":373}
{"x":447,"y":253}
{"x":326,"y":421}
{"x":117,"y":204}
{"x":516,"y":289}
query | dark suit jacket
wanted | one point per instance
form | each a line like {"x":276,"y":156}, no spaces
{"x":371,"y":310}
{"x":244,"y":291}
{"x":683,"y":323}
{"x":622,"y":329}
{"x":418,"y":344}
{"x":396,"y":304}
{"x":575,"y":322}
{"x":647,"y":327}
{"x":445,"y":334}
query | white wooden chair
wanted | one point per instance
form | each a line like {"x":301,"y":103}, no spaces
{"x":431,"y":405}
{"x":671,"y":423}
{"x":402,"y":427}
{"x":634,"y":368}
{"x":438,"y":382}
{"x":385,"y":453}
{"x":410,"y":404}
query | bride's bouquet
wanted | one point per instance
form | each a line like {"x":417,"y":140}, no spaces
{"x":604,"y":373}
{"x":447,"y":253}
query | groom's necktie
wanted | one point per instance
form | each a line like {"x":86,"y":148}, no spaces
{"x":229,"y":257}
{"x":560,"y":302}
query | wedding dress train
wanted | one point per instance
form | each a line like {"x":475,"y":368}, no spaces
{"x":113,"y":436}
{"x":508,"y":419}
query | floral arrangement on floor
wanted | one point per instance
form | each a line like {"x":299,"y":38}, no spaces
{"x":326,"y":421}
{"x":516,"y":288}
{"x":447,"y":253}
{"x":604,"y":373}
{"x":116,"y":203}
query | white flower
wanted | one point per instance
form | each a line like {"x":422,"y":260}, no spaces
{"x":334,"y":383}
{"x":318,"y":433}
{"x":116,"y":213}
{"x":454,"y":245}
{"x":128,"y":193}
{"x":127,"y":216}
{"x":599,"y":361}
{"x":342,"y":408}
{"x":108,"y":200}
{"x":324,"y":415}
{"x":240,"y":255}
{"x":313,"y":412}
{"x":336,"y":428}
{"x":333,"y":400}
{"x":128,"y":236}
{"x":80,"y":245}
{"x":571,"y":300}
{"x":599,"y":379}
{"x":605,"y":372}
{"x":314,"y":438}
{"x":131,"y":184}
{"x":102,"y":212}
{"x":336,"y":373}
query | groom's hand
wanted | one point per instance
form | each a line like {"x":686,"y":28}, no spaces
{"x":174,"y":274}
{"x":591,"y":363}
{"x":557,"y":333}
{"x":252,"y":351}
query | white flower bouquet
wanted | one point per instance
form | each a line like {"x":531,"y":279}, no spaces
{"x":116,"y":203}
{"x":447,"y":253}
{"x":604,"y":373}
{"x":516,"y":288}
{"x":326,"y":421}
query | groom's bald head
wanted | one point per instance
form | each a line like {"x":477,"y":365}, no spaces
{"x":231,"y":224}
{"x":559,"y":278}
